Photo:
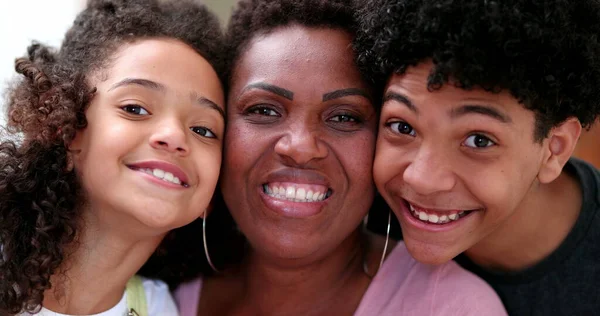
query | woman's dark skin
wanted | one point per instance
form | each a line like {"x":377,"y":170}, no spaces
{"x":298,"y":112}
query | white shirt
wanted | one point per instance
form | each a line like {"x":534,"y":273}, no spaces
{"x":159,"y":299}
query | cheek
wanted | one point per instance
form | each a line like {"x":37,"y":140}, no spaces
{"x":390,"y":162}
{"x":358,"y":153}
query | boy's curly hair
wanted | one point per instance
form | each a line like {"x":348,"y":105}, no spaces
{"x":544,"y":52}
{"x":253,"y":18}
{"x":40,"y":194}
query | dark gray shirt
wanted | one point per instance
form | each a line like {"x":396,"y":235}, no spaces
{"x":567,"y":282}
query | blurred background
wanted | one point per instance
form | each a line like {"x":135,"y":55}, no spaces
{"x":22,"y":21}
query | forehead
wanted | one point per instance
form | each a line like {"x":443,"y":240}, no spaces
{"x":293,"y":56}
{"x":413,"y":84}
{"x":169,"y":62}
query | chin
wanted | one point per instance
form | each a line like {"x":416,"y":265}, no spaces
{"x":429,"y":254}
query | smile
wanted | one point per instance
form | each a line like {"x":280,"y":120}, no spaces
{"x":436,"y":216}
{"x":295,"y":192}
{"x":160,"y":174}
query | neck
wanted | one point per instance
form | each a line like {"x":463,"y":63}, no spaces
{"x":280,"y":287}
{"x":540,"y":224}
{"x":94,"y":276}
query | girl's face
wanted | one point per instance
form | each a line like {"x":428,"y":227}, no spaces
{"x":151,"y":151}
{"x":300,"y":143}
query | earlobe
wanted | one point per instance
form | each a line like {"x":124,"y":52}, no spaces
{"x":559,"y":147}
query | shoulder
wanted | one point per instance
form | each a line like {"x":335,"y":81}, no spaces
{"x":405,"y":286}
{"x":158,"y":297}
{"x":187,"y":296}
{"x":469,"y":294}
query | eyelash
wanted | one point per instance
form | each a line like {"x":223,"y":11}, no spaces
{"x":411,"y":132}
{"x":199,"y":130}
{"x":131,"y":107}
{"x":397,"y":130}
{"x":135,"y":110}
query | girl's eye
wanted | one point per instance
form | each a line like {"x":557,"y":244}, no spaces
{"x":135,"y":109}
{"x":402,"y":128}
{"x":478,"y":141}
{"x":344,"y":118}
{"x":203,"y":131}
{"x":263,"y":111}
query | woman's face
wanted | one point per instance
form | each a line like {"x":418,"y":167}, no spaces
{"x":151,"y":151}
{"x":300,"y":143}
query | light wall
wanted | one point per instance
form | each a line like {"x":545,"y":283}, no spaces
{"x":22,"y":21}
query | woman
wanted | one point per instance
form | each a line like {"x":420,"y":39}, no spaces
{"x":297,"y":180}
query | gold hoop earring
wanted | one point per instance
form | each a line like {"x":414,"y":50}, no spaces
{"x":212,"y":266}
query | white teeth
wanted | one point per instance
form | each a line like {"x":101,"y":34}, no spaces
{"x":158,"y":173}
{"x":434,"y":218}
{"x":163,"y":175}
{"x":300,"y":194}
{"x":292,"y":193}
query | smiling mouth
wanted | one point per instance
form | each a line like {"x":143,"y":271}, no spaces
{"x":437,"y":217}
{"x":303,"y":193}
{"x":161,"y":175}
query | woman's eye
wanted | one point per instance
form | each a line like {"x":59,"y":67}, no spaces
{"x":135,"y":109}
{"x":478,"y":141}
{"x":344,"y":118}
{"x":402,"y":128}
{"x":264,"y":111}
{"x":203,"y":131}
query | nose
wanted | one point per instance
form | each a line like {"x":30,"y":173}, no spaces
{"x":170,"y":136}
{"x":429,"y":172}
{"x":301,"y":144}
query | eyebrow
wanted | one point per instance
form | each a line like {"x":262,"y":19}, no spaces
{"x":481,"y":109}
{"x":271,"y":88}
{"x":140,"y":82}
{"x":345,"y":92}
{"x":203,"y":101}
{"x":401,"y":99}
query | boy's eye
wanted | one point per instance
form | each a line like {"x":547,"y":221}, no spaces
{"x":478,"y":141}
{"x":135,"y":109}
{"x":343,"y":118}
{"x":402,"y":128}
{"x":203,"y":131}
{"x":263,"y":111}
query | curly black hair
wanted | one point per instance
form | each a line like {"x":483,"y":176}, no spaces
{"x":544,"y":52}
{"x":40,"y":210}
{"x":253,"y":18}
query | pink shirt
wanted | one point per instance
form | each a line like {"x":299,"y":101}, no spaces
{"x":402,"y":286}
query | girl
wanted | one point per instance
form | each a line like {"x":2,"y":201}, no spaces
{"x":122,"y":133}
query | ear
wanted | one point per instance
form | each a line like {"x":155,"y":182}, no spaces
{"x":559,"y":147}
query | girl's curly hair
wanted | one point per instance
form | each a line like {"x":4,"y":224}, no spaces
{"x":544,"y":52}
{"x":40,"y":194}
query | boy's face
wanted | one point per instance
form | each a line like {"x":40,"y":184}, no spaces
{"x":454,"y":165}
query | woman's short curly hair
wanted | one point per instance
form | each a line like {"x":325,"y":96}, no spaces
{"x":40,"y":209}
{"x":253,"y":18}
{"x":546,"y":53}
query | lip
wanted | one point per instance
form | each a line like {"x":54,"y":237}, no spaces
{"x":408,"y":217}
{"x":300,"y":176}
{"x":163,"y":165}
{"x":294,"y":209}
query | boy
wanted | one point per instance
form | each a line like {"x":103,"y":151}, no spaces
{"x":483,"y":106}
